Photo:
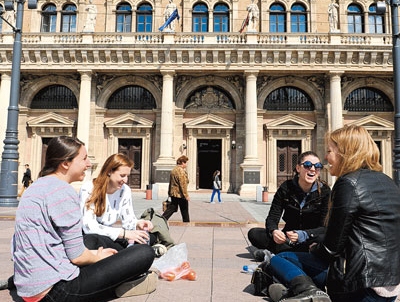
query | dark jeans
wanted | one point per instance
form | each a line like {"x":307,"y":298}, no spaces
{"x":261,"y":240}
{"x":94,"y":241}
{"x":173,"y":207}
{"x":97,"y":282}
{"x":288,"y":265}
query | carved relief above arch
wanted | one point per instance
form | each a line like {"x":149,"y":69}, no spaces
{"x":190,"y":84}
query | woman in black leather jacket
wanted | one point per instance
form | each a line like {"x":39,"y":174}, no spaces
{"x":303,"y":201}
{"x":362,"y":241}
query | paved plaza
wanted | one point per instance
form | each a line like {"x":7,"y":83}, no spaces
{"x":216,"y":240}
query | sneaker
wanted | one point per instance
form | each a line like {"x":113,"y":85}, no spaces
{"x":263,"y":255}
{"x":141,"y":286}
{"x":159,"y":249}
{"x":220,"y":201}
{"x":212,"y":202}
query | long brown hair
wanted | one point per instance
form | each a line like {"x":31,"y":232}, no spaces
{"x":99,"y":192}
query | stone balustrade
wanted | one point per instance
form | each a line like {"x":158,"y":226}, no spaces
{"x":201,"y":50}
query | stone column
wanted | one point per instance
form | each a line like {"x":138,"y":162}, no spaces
{"x":336,"y":101}
{"x":84,"y":107}
{"x":251,"y":117}
{"x":251,"y":165}
{"x":5,"y":90}
{"x":166,"y":161}
{"x":83,"y":129}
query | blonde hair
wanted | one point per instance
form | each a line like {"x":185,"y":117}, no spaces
{"x":98,"y":196}
{"x":356,"y":149}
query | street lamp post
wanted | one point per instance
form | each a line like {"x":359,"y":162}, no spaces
{"x":10,"y":156}
{"x":394,"y":4}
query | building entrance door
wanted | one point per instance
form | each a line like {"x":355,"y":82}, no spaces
{"x":288,"y":154}
{"x":133,"y":149}
{"x":208,"y":160}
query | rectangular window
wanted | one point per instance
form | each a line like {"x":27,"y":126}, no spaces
{"x":144,"y":23}
{"x":200,"y":24}
{"x":298,"y":24}
{"x":221,"y":24}
{"x":49,"y":24}
{"x":124,"y":23}
{"x":277,"y":24}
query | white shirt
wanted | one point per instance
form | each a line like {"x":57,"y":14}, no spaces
{"x":118,"y":207}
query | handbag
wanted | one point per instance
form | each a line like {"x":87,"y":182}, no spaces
{"x":166,"y":203}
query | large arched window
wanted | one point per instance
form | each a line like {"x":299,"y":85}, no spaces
{"x":131,"y":97}
{"x":368,"y":99}
{"x":200,"y":18}
{"x":288,"y":99}
{"x":298,"y":19}
{"x":355,"y":19}
{"x":68,"y":19}
{"x":376,"y":22}
{"x":221,"y":18}
{"x":144,"y":18}
{"x":54,"y":97}
{"x":124,"y":18}
{"x":277,"y":18}
{"x":49,"y":19}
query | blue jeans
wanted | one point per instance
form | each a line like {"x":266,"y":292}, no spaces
{"x":288,"y":265}
{"x":213,"y":194}
{"x":97,"y":282}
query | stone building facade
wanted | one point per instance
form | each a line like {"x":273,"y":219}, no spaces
{"x":240,"y":100}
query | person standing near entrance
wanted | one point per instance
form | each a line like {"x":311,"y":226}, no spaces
{"x":216,"y":187}
{"x":177,"y":190}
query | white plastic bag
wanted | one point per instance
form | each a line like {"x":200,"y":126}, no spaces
{"x":173,"y":265}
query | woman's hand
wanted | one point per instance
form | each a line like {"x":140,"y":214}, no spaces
{"x":104,"y":253}
{"x":137,"y":236}
{"x":292,"y":236}
{"x":279,"y":236}
{"x":145,"y":225}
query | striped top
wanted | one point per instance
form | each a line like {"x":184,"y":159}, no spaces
{"x":48,"y":234}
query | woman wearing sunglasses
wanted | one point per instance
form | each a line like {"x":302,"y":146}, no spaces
{"x":359,"y":258}
{"x":303,"y":201}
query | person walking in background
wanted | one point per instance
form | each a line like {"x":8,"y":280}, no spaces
{"x":27,"y":177}
{"x":177,"y":190}
{"x":216,"y":186}
{"x":51,"y":262}
{"x":359,"y":259}
{"x":108,"y":199}
{"x":26,"y":180}
{"x":302,"y":203}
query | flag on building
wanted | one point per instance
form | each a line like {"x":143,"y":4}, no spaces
{"x":172,"y":17}
{"x":244,"y":24}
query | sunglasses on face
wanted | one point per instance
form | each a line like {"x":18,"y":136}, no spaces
{"x":308,"y":165}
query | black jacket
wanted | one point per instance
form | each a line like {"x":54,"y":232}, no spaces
{"x":362,"y":240}
{"x":310,"y":218}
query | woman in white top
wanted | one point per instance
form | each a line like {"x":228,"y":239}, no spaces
{"x":107,"y":200}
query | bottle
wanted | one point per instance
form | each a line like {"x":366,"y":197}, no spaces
{"x":250,"y":268}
